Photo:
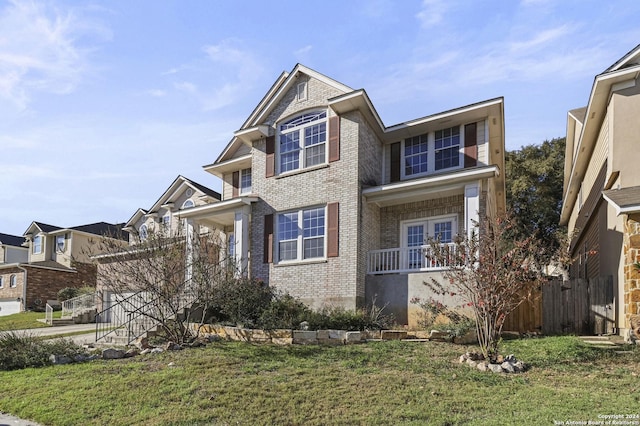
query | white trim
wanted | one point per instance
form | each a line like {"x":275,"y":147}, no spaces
{"x":619,"y":209}
{"x":301,"y":141}
{"x":300,"y":237}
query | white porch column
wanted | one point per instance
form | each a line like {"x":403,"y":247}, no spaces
{"x":241,"y":236}
{"x":188,"y":230}
{"x":471,"y":207}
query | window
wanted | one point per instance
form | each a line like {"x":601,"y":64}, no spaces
{"x":245,"y":181}
{"x":143,"y":232}
{"x":37,"y":244}
{"x":301,"y":93}
{"x":302,"y":141}
{"x":415,"y":155}
{"x":166,"y":222}
{"x":301,"y":234}
{"x":1,"y":282}
{"x":447,"y":148}
{"x":13,"y":281}
{"x":60,"y":243}
{"x":231,"y":245}
{"x":187,"y":204}
{"x":431,"y":152}
{"x":416,"y":234}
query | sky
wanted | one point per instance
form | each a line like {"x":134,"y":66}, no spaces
{"x":104,"y":103}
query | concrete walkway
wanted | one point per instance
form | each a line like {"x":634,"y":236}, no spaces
{"x":8,"y":420}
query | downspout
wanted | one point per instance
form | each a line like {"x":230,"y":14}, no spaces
{"x":24,"y":288}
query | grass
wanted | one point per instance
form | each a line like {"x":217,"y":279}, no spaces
{"x":24,"y":320}
{"x":375,"y":384}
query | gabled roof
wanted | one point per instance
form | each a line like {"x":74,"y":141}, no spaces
{"x":11,"y":240}
{"x":36,"y":227}
{"x":172,"y":192}
{"x":276,"y":92}
{"x":98,"y":228}
{"x":616,"y":76}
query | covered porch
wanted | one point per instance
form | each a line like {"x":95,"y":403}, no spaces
{"x":233,"y":218}
{"x":411,"y":213}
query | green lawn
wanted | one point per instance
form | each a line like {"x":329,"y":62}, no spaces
{"x":24,"y":320}
{"x":385,"y":383}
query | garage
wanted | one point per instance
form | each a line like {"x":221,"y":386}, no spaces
{"x":8,"y":307}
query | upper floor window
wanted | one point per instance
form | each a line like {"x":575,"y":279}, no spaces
{"x":447,"y":148}
{"x":37,"y":244}
{"x":302,"y":141}
{"x":415,"y":155}
{"x":187,"y":204}
{"x":301,"y":91}
{"x":60,"y":243}
{"x":301,"y":234}
{"x":13,"y":281}
{"x":431,"y":152}
{"x":166,"y":222}
{"x":245,"y":181}
{"x":143,"y":232}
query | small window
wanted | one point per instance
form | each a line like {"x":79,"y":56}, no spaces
{"x":245,"y":181}
{"x":187,"y":204}
{"x":60,"y":243}
{"x":302,"y":91}
{"x":415,"y":155}
{"x":166,"y":222}
{"x":143,"y":232}
{"x":13,"y":281}
{"x":1,"y":282}
{"x":37,"y":244}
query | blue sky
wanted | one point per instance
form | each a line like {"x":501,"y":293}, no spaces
{"x":103,"y":104}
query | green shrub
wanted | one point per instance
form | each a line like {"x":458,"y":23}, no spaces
{"x":22,"y":350}
{"x":240,"y":302}
{"x":338,"y":318}
{"x":284,"y":311}
{"x":67,"y":293}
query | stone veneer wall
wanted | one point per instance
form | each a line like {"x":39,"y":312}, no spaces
{"x":631,"y":250}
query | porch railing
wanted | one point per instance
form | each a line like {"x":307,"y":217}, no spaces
{"x":48,"y":314}
{"x":78,"y":305}
{"x":407,"y":259}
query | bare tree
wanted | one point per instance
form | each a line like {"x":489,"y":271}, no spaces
{"x":172,"y":277}
{"x":492,"y":272}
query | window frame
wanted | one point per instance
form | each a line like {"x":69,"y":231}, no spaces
{"x":460,"y":145}
{"x":302,"y":148}
{"x":431,"y":153}
{"x":37,"y":245}
{"x":429,"y":227}
{"x":300,"y":238}
{"x":13,"y":281}
{"x":243,"y":188}
{"x":64,"y":243}
{"x":143,"y":232}
{"x":1,"y":282}
{"x":188,"y":201}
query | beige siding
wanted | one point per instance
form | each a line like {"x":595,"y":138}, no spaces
{"x":483,"y":144}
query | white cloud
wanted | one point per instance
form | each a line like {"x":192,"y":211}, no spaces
{"x":303,"y":50}
{"x":541,"y":38}
{"x":432,"y":13}
{"x":40,"y":50}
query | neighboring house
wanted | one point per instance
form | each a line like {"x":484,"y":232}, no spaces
{"x":325,"y":202}
{"x":163,"y":216}
{"x":57,"y":259}
{"x":601,"y":200}
{"x":12,"y":249}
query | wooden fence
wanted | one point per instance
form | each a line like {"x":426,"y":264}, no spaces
{"x":577,"y":306}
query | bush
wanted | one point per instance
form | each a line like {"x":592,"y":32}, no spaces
{"x":338,"y":318}
{"x":21,"y":350}
{"x":284,"y":311}
{"x":67,"y":293}
{"x":240,"y":302}
{"x":435,"y":315}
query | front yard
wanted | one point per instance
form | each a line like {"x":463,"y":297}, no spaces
{"x":374,"y":383}
{"x":24,"y":320}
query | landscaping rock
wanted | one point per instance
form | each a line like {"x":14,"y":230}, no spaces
{"x":510,"y":358}
{"x":132,"y":352}
{"x":353,"y":337}
{"x":472,"y":363}
{"x":59,"y":359}
{"x":496,"y":368}
{"x":507,"y":367}
{"x":172,"y":346}
{"x":393,"y":334}
{"x":304,"y":325}
{"x":282,"y":340}
{"x":112,"y":353}
{"x":482,"y":366}
{"x":142,"y":343}
{"x":301,"y":337}
{"x":156,"y":351}
{"x":145,"y":351}
{"x":463,"y":358}
{"x":442,"y":336}
{"x":519,"y":366}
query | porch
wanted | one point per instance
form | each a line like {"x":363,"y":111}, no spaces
{"x":408,"y":259}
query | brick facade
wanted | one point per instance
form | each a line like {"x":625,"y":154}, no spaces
{"x":631,"y":251}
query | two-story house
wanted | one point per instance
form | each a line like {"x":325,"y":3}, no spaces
{"x":12,"y":251}
{"x":323,"y":201}
{"x":57,"y":258}
{"x":601,"y":198}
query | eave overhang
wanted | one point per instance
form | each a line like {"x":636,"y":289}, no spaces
{"x":415,"y":189}
{"x":219,"y":169}
{"x":222,"y":213}
{"x":596,"y":111}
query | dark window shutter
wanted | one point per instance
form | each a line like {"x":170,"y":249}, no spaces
{"x":235,"y":183}
{"x":270,"y":150}
{"x":334,"y":139}
{"x":470,"y":145}
{"x":395,"y":162}
{"x":268,"y":238}
{"x":332,"y":230}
